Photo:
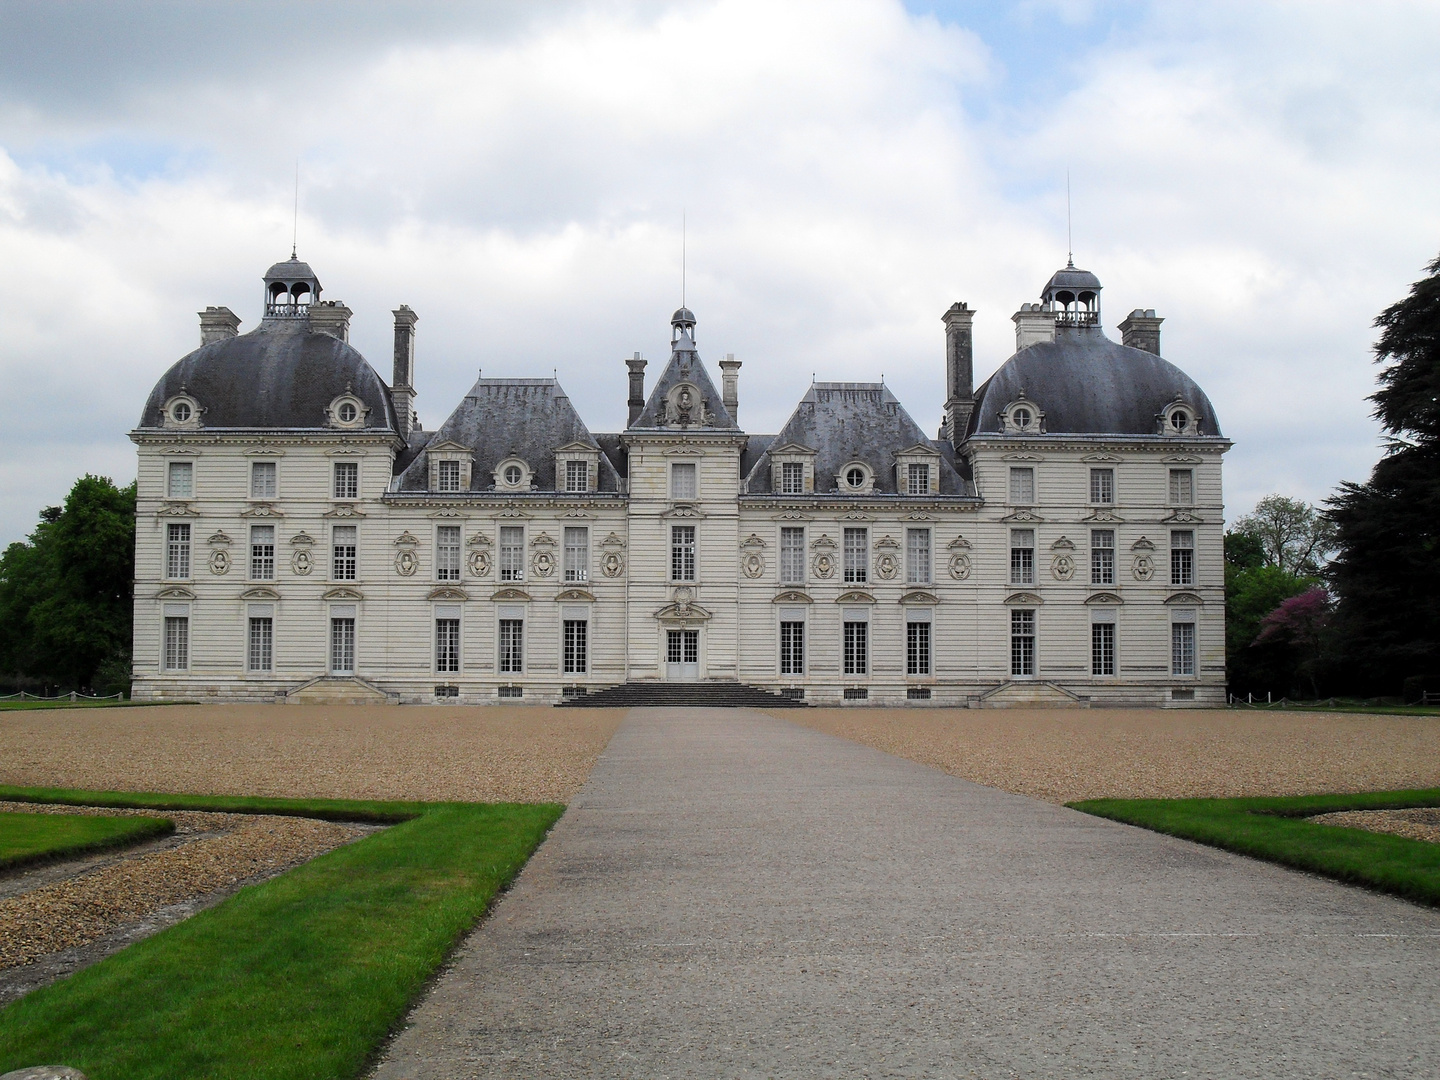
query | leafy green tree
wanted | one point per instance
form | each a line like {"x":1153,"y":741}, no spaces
{"x":1251,"y":593}
{"x":1292,"y":535}
{"x":1387,"y":571}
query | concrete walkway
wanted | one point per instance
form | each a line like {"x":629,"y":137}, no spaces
{"x":734,"y":895}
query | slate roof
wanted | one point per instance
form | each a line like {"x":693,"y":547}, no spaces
{"x":845,"y":422}
{"x":684,"y":366}
{"x":499,"y":418}
{"x":1087,"y":384}
{"x":282,"y":374}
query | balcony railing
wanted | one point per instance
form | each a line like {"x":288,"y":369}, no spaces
{"x":1076,"y":317}
{"x":286,"y":311}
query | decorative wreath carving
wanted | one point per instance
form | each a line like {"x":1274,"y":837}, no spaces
{"x":887,"y":566}
{"x":219,"y":562}
{"x":1144,"y":568}
{"x":612,"y":565}
{"x":480,"y":564}
{"x":753,"y":564}
{"x":959,"y":566}
{"x":543,"y":563}
{"x":1062,"y":567}
{"x":823,"y":565}
{"x":300,"y":562}
{"x":405,"y":562}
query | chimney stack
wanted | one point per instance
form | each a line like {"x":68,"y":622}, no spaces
{"x":217,"y":324}
{"x":331,"y":317}
{"x":1034,"y":323}
{"x":729,"y":390}
{"x":402,"y":388}
{"x":1141,"y":330}
{"x":637,"y":388}
{"x":959,"y":369}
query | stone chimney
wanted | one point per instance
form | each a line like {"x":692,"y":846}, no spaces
{"x":637,"y":388}
{"x":1034,"y":323}
{"x":402,"y":387}
{"x":959,"y":369}
{"x":729,"y":387}
{"x":1141,"y":330}
{"x":217,"y":324}
{"x":331,"y":317}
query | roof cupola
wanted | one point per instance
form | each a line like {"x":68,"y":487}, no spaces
{"x":682,"y":331}
{"x":1074,"y":296}
{"x":290,"y":288}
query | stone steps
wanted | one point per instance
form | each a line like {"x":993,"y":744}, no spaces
{"x":725,"y":695}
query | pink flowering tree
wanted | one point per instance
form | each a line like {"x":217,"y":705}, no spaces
{"x":1302,"y":621}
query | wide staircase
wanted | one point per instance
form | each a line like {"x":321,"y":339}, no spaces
{"x":718,"y":695}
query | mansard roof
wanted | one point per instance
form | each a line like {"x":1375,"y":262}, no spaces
{"x":685,"y":366}
{"x":849,"y":422}
{"x":500,"y":418}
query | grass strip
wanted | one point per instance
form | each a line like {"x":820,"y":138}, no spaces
{"x":29,"y":838}
{"x":1276,"y":829}
{"x":379,"y":813}
{"x":302,"y":976}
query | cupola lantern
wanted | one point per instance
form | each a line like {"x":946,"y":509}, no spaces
{"x":290,"y":288}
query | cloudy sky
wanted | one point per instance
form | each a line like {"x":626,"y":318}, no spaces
{"x":1264,"y":174}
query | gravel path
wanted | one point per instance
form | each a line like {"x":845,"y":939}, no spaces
{"x":1062,"y":755}
{"x":493,"y":754}
{"x":1419,"y":824}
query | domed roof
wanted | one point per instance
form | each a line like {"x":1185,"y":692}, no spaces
{"x":683,"y":317}
{"x":282,"y":374}
{"x":1086,"y":384}
{"x":292,"y":269}
{"x":1071,"y":278}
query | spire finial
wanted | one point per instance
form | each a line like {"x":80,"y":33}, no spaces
{"x":1069,"y":242}
{"x":295,"y":219}
{"x":682,"y":256}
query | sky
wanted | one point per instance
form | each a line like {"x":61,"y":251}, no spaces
{"x":1262,"y":174}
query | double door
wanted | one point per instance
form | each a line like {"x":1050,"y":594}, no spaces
{"x":682,"y":655}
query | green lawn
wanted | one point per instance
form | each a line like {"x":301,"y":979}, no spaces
{"x":301,"y":977}
{"x":1276,"y":829}
{"x":27,"y":838}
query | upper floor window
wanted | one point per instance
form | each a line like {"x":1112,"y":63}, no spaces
{"x":855,"y":476}
{"x":180,"y":480}
{"x":512,"y":553}
{"x":347,"y":480}
{"x":1102,"y":486}
{"x":447,"y":476}
{"x":1182,"y":557}
{"x":857,"y":549}
{"x":177,"y":551}
{"x":682,"y":480}
{"x":792,"y":478}
{"x":917,"y":556}
{"x":577,"y":475}
{"x":1022,"y":485}
{"x":1102,"y":557}
{"x":577,"y":552}
{"x":262,"y":552}
{"x":792,"y":556}
{"x":1182,"y":486}
{"x":917,"y":479}
{"x":682,"y":553}
{"x":343,"y":557}
{"x":1022,"y":556}
{"x":447,"y":553}
{"x":263,"y":480}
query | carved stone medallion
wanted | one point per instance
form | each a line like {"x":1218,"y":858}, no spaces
{"x":823,"y":565}
{"x":1144,"y":568}
{"x":219,"y":562}
{"x":405,"y":562}
{"x":1062,"y":567}
{"x":612,"y":564}
{"x":959,"y":566}
{"x":887,"y":566}
{"x":480,"y":564}
{"x":753,"y":564}
{"x":543,"y":563}
{"x":300,"y":562}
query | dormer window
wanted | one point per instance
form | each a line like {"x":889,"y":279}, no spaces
{"x":577,"y":475}
{"x":346,"y":412}
{"x":513,"y":474}
{"x":917,"y":480}
{"x":792,"y":478}
{"x":1022,"y":417}
{"x":180,"y":412}
{"x":1179,"y":418}
{"x":855,"y":476}
{"x":577,"y":468}
{"x":447,"y":476}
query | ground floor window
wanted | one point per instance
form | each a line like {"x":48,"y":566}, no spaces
{"x":682,"y":646}
{"x":1022,"y":642}
{"x":792,"y":648}
{"x":857,"y":648}
{"x":177,"y":642}
{"x":261,"y":652}
{"x":1182,"y":648}
{"x":342,"y":645}
{"x":1102,"y":648}
{"x":447,"y":644}
{"x":512,"y":645}
{"x":917,"y":648}
{"x":577,"y":646}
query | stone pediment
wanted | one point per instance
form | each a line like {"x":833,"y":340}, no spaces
{"x":683,"y":611}
{"x":343,"y":510}
{"x":263,"y":510}
{"x":260,"y":592}
{"x":1181,"y":517}
{"x":577,"y":448}
{"x":407,"y":538}
{"x":683,"y":510}
{"x":512,"y":512}
{"x":574,"y":595}
{"x":856,"y":515}
{"x":175,"y":592}
{"x":302,"y":539}
{"x":479,"y":540}
{"x":1024,"y":598}
{"x":752,"y":541}
{"x":1103,"y":515}
{"x":1142,"y":544}
{"x":447,"y":592}
{"x":218,"y":539}
{"x":177,"y":509}
{"x":1022,"y":515}
{"x":918,"y":450}
{"x":855,"y":596}
{"x":342,"y":592}
{"x":1063,"y":544}
{"x":792,"y":448}
{"x":919,"y":596}
{"x":448,"y":446}
{"x":792,"y":596}
{"x":510,"y":593}
{"x":958,"y":544}
{"x":446,"y":512}
{"x":823,"y":543}
{"x":1184,"y":598}
{"x":613,"y":540}
{"x":1104,"y":599}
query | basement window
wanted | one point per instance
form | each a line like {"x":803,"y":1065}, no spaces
{"x":857,"y":693}
{"x":512,"y":691}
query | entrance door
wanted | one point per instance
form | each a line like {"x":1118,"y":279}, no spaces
{"x":682,"y":655}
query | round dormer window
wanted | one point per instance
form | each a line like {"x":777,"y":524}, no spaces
{"x":1179,"y":420}
{"x":347,"y":412}
{"x":855,"y":476}
{"x":512,"y":474}
{"x":180,"y":412}
{"x":1021,"y":418}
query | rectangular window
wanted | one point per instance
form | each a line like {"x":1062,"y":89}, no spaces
{"x":1102,"y":556}
{"x":577,"y":475}
{"x":682,"y":480}
{"x":347,"y":480}
{"x":792,"y":478}
{"x":1022,"y":556}
{"x":792,"y":648}
{"x":1182,"y":557}
{"x":177,"y":642}
{"x":577,"y":646}
{"x":682,"y":646}
{"x":917,"y":479}
{"x":447,"y":644}
{"x":262,"y":552}
{"x":1182,"y":648}
{"x":1182,"y":486}
{"x":447,"y":553}
{"x":1022,"y":642}
{"x":263,"y":483}
{"x":1102,"y":486}
{"x":177,"y":551}
{"x":261,"y":652}
{"x":343,"y":561}
{"x":180,"y":480}
{"x":792,"y":556}
{"x":917,"y":648}
{"x":342,"y":645}
{"x":577,"y":553}
{"x":857,"y":648}
{"x":1102,"y":648}
{"x":917,"y":556}
{"x":682,"y":553}
{"x":512,"y":553}
{"x":512,"y":645}
{"x":1022,"y":485}
{"x":447,"y":476}
{"x":857,"y":552}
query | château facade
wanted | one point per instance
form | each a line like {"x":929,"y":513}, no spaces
{"x":301,"y":537}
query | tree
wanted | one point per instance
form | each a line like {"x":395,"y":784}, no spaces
{"x":1293,"y":535}
{"x":1302,"y":621}
{"x":1254,"y":587}
{"x":1387,"y":570}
